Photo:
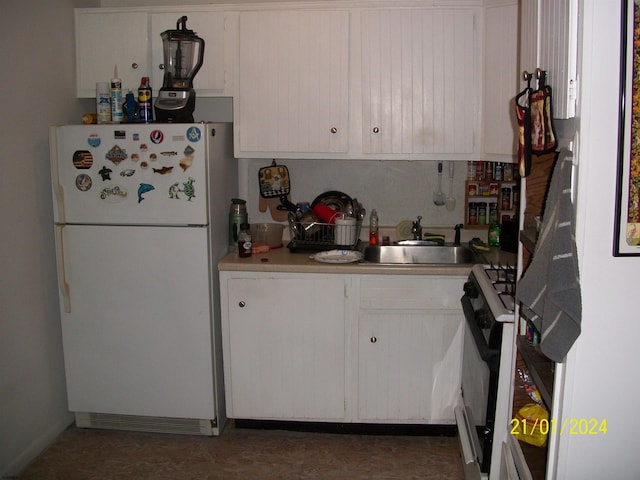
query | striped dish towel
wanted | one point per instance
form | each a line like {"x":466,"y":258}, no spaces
{"x":549,"y":290}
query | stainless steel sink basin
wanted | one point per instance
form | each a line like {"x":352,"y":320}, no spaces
{"x":423,"y":254}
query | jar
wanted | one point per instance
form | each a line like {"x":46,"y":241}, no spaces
{"x":506,"y":199}
{"x":473,"y":214}
{"x":482,"y":213}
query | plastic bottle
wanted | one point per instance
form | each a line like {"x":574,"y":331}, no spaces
{"x":103,"y":102}
{"x":145,"y":105}
{"x":237,"y":216}
{"x":130,"y":108}
{"x":373,"y":228}
{"x":494,"y":235}
{"x":244,"y":241}
{"x":116,"y":98}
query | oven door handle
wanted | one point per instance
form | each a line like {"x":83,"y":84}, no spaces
{"x":490,"y":355}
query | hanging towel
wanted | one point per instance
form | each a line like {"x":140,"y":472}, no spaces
{"x":550,"y":288}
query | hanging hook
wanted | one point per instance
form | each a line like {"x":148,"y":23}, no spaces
{"x":526,"y":76}
{"x":541,"y":76}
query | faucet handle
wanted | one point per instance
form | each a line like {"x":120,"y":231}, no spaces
{"x":457,"y":228}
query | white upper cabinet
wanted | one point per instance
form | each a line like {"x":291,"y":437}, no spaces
{"x":131,"y":40}
{"x":500,"y":65}
{"x":214,"y":78}
{"x":548,"y":39}
{"x":107,"y":39}
{"x":420,"y":82}
{"x":293,"y":83}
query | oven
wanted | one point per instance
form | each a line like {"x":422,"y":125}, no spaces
{"x":488,"y":303}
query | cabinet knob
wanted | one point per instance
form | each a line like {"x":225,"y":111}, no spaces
{"x":241,"y":304}
{"x":134,"y":65}
{"x":376,"y":130}
{"x":334,"y":130}
{"x":161,"y":66}
{"x":373,"y":339}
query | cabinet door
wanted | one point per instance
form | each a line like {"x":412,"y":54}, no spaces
{"x":214,"y":76}
{"x":293,"y":83}
{"x":419,"y":82}
{"x":108,"y":39}
{"x":548,"y":39}
{"x":408,"y":365}
{"x":500,"y":82}
{"x":410,"y":333}
{"x":285,"y":348}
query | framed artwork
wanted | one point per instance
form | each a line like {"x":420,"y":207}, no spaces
{"x":627,"y":229}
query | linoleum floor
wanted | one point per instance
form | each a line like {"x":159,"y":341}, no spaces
{"x":241,"y":453}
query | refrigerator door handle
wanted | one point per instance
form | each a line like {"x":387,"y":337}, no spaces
{"x":58,"y":190}
{"x":62,"y":277}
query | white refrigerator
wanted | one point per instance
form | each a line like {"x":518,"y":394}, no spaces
{"x":141,"y":219}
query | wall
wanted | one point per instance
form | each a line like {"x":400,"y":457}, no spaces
{"x":37,"y":91}
{"x":602,"y":378}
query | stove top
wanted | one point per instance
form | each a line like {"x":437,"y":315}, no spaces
{"x":498,"y":286}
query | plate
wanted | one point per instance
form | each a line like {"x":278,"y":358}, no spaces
{"x":338,"y":201}
{"x":337,"y":256}
{"x":403,"y":230}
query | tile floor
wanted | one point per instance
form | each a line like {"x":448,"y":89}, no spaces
{"x":246,"y":453}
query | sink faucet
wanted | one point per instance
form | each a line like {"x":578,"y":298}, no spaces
{"x":416,"y":230}
{"x":456,"y":241}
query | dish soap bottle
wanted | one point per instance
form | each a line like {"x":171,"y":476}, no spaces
{"x":373,"y":228}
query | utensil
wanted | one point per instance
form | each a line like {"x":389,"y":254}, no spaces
{"x":438,"y":197}
{"x":451,"y":200}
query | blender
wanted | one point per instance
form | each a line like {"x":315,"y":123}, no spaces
{"x":183,"y":55}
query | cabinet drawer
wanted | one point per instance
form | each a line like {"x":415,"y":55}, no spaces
{"x":411,"y":292}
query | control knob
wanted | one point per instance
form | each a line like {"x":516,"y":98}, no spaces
{"x":471,"y":289}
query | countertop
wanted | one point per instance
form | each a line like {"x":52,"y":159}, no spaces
{"x":282,"y":260}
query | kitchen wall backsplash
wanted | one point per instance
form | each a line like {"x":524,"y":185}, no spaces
{"x":398,"y":190}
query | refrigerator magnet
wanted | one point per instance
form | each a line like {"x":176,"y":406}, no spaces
{"x":116,"y":154}
{"x":83,"y":182}
{"x":94,"y":140}
{"x":105,"y":173}
{"x":194,"y":134}
{"x":189,"y":190}
{"x":144,"y":188}
{"x":114,"y":194}
{"x":82,"y":159}
{"x":156,"y":136}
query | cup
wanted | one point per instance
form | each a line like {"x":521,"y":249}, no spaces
{"x":345,"y":231}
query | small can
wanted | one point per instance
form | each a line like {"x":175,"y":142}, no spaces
{"x":472,"y":188}
{"x":473,"y":213}
{"x":493,"y":189}
{"x":479,"y":170}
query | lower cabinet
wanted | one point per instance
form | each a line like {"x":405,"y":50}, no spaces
{"x":410,"y":332}
{"x":284,"y":347}
{"x":341,"y":348}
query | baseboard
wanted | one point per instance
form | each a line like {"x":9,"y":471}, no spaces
{"x":36,"y":447}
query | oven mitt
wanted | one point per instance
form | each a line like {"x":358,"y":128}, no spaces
{"x":523,"y":117}
{"x":543,"y":135}
{"x":274,"y":181}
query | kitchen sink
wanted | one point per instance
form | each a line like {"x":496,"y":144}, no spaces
{"x":419,"y":254}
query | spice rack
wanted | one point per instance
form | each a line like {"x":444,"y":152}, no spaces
{"x":491,"y":194}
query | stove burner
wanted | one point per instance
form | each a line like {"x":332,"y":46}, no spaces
{"x":503,"y":280}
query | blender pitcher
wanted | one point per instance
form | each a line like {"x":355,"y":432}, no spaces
{"x":183,"y":57}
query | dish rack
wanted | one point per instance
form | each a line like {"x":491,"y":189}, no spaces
{"x":318,"y":237}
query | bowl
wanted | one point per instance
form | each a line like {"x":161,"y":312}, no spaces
{"x":267,"y":234}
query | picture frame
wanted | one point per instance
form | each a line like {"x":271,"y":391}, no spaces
{"x":627,"y":218}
